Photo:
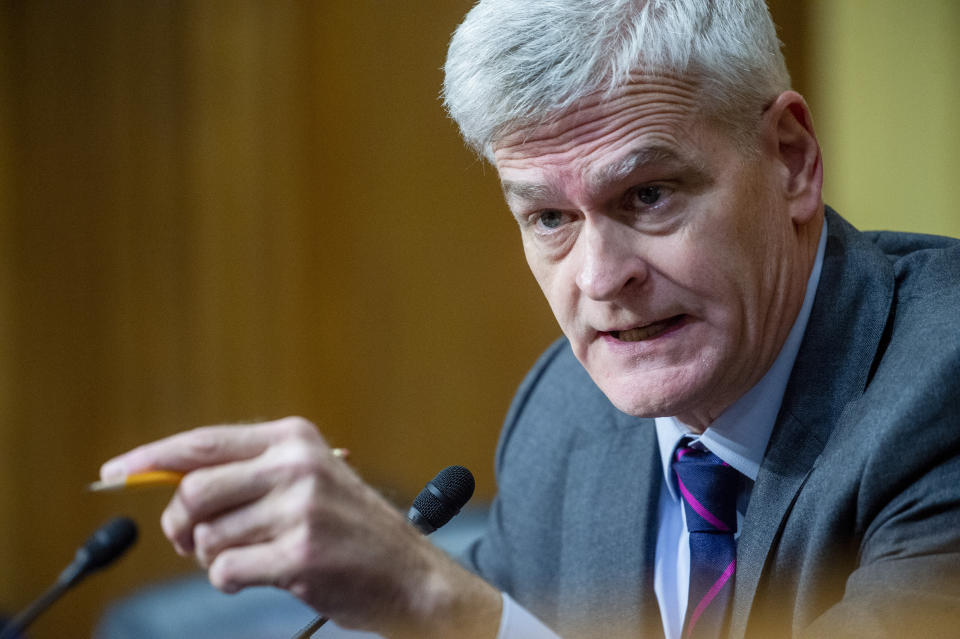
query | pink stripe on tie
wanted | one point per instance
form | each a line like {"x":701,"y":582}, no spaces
{"x":698,"y":507}
{"x":711,"y":594}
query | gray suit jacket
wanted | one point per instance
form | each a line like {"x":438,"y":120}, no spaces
{"x":853,"y":526}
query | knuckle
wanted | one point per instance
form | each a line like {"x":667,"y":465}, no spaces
{"x":221,"y":575}
{"x":295,"y":459}
{"x":205,"y":442}
{"x":299,"y":428}
{"x":304,"y":459}
{"x":191,"y":492}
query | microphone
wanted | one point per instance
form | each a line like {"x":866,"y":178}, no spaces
{"x":442,"y":499}
{"x":103,"y":547}
{"x":437,"y":503}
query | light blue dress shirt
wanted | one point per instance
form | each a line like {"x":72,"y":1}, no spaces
{"x":739,"y":437}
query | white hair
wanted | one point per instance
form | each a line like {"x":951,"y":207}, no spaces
{"x":514,"y":63}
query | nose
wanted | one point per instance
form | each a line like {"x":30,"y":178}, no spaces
{"x":609,"y":261}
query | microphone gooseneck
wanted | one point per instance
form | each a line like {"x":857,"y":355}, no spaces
{"x":437,"y":503}
{"x":103,"y":547}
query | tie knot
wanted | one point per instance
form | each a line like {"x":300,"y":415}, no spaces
{"x":709,"y":489}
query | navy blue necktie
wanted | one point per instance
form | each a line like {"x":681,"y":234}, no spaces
{"x":709,"y":489}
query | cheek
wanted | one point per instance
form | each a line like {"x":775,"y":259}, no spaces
{"x":705,"y":268}
{"x":686,"y":259}
{"x":558,"y":289}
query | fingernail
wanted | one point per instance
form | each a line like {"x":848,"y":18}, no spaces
{"x":113,"y":469}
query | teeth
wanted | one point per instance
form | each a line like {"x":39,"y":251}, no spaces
{"x":644,"y":332}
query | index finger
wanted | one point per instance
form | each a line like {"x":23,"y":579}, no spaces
{"x":206,"y":446}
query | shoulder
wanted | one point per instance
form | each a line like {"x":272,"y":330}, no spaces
{"x":922,"y":338}
{"x":555,"y":401}
{"x":902,"y":287}
{"x":926,"y":267}
{"x":897,"y":244}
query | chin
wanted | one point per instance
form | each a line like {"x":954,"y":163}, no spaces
{"x":639,"y":405}
{"x":650,"y":398}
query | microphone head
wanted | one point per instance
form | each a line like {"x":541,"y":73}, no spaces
{"x":444,"y":496}
{"x":106,"y":544}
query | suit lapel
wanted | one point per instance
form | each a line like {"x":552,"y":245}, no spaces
{"x":778,"y":483}
{"x":607,"y":568}
{"x":843,"y":334}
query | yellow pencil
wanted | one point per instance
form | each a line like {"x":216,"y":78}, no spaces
{"x":147,"y":478}
{"x":161,"y":477}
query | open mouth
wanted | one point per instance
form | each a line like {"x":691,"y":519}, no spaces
{"x":649,"y":331}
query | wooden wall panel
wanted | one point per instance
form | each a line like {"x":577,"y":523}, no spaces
{"x":8,"y":488}
{"x":229,"y":211}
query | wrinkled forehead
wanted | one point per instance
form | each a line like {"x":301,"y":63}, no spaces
{"x":546,"y":121}
{"x":664,"y":104}
{"x":652,"y":120}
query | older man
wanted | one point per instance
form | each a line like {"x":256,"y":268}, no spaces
{"x":751,"y":427}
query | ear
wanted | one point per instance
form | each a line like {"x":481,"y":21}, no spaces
{"x":793,"y":142}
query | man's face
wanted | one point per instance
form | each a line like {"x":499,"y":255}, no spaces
{"x":665,"y":252}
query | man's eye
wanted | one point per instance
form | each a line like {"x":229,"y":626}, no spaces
{"x":551,"y":219}
{"x":647,"y":195}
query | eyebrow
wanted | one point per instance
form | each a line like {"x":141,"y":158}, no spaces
{"x":648,"y":156}
{"x":530,"y":191}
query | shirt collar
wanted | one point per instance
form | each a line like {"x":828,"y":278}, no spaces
{"x":740,"y":434}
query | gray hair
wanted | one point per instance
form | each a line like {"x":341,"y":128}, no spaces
{"x":514,"y":63}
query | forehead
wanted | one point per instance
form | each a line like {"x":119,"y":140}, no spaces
{"x":650,"y":120}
